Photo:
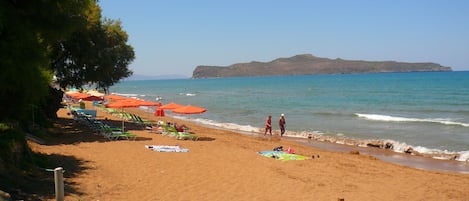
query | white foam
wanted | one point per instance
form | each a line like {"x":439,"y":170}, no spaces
{"x":127,"y":95}
{"x":378,"y":117}
{"x":426,"y":150}
{"x":463,"y":156}
{"x":229,"y":126}
{"x":187,"y":94}
{"x":399,"y":147}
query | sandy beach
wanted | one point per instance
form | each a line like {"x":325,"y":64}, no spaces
{"x":224,"y":165}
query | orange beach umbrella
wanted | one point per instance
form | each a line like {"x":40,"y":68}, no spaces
{"x":147,"y":103}
{"x":189,"y":109}
{"x":130,"y":102}
{"x":115,"y":97}
{"x":123,"y":104}
{"x":170,"y":106}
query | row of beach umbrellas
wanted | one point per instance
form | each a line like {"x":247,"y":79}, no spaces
{"x":125,"y":102}
{"x":121,"y":102}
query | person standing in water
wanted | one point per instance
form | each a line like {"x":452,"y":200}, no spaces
{"x":281,"y":124}
{"x":268,"y":125}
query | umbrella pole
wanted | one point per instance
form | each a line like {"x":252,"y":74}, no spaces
{"x":123,"y":119}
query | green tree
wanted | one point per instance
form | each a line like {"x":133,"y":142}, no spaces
{"x":27,"y":29}
{"x":98,"y":55}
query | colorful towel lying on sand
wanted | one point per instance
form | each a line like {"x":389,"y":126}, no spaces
{"x":166,"y":148}
{"x":281,"y":155}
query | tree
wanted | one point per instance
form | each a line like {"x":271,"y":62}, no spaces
{"x":27,"y":29}
{"x":97,"y":55}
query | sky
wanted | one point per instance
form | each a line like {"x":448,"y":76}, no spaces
{"x":173,"y":37}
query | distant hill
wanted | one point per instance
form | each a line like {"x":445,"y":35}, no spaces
{"x":155,"y":77}
{"x":308,"y":64}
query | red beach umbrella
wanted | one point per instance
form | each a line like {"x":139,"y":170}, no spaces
{"x":85,"y":97}
{"x":189,"y":109}
{"x":92,"y":98}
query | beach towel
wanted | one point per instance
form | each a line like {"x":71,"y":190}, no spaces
{"x":281,"y":155}
{"x":166,"y":148}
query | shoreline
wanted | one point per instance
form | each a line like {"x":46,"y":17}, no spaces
{"x":384,"y":144}
{"x":424,"y":162}
{"x":376,"y":148}
{"x":418,"y":162}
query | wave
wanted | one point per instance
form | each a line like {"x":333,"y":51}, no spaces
{"x":130,"y":95}
{"x":378,"y":117}
{"x":187,"y":94}
{"x":227,"y":126}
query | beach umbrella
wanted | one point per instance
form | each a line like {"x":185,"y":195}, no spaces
{"x":115,"y":97}
{"x":85,"y":97}
{"x":148,"y":103}
{"x":95,"y":93}
{"x":76,"y":95}
{"x":129,"y":103}
{"x":189,"y":109}
{"x":132,"y":102}
{"x":91,"y":98}
{"x":170,"y":106}
{"x":123,"y":103}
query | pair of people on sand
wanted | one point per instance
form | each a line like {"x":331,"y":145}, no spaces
{"x":281,"y":125}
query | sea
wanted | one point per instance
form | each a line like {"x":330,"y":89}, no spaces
{"x":427,"y":112}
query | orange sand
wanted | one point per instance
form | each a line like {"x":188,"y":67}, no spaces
{"x":224,"y":165}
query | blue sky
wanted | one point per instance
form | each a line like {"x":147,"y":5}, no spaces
{"x":175,"y":36}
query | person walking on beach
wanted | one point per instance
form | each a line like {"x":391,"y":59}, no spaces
{"x":268,"y":125}
{"x":281,"y":124}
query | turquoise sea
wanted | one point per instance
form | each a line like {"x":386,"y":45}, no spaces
{"x":426,"y":111}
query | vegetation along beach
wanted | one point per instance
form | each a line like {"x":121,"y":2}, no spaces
{"x":167,"y":100}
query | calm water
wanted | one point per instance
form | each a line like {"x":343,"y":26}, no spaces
{"x":427,"y":111}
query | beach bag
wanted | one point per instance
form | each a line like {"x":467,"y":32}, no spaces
{"x":290,"y":150}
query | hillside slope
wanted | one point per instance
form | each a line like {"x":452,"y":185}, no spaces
{"x":308,"y":64}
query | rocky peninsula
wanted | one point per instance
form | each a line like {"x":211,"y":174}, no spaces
{"x":307,"y":64}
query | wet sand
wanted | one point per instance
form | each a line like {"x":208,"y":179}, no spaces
{"x":418,"y":162}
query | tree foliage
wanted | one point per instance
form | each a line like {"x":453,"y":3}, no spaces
{"x":40,"y":38}
{"x":27,"y":28}
{"x":97,"y":55}
{"x":68,"y":39}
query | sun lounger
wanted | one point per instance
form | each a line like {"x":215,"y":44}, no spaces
{"x":186,"y":136}
{"x":116,"y":134}
{"x":172,"y":132}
